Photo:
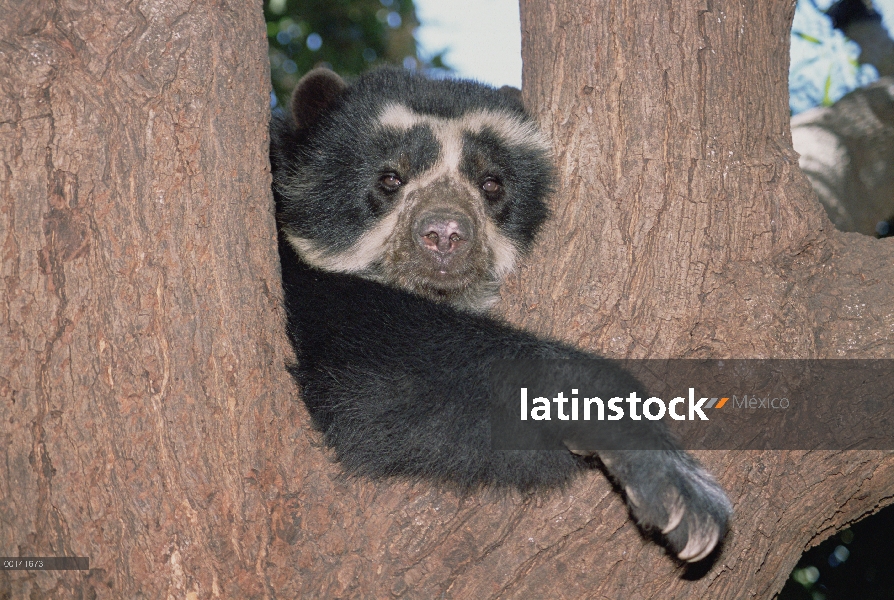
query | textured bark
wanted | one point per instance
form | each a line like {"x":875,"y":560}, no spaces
{"x":142,"y":393}
{"x":145,"y":416}
{"x":702,"y":238}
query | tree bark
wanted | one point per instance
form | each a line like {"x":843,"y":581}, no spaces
{"x":147,"y":421}
{"x":703,"y":239}
{"x":142,"y":391}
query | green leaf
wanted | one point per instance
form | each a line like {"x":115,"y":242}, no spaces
{"x":807,"y":38}
{"x":827,"y":99}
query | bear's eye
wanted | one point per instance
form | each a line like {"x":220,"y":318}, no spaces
{"x":390,"y":182}
{"x":491,"y":187}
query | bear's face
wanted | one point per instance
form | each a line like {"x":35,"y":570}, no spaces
{"x":399,"y":180}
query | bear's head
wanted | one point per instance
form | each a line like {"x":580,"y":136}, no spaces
{"x":432,"y":186}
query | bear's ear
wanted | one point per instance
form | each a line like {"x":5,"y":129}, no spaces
{"x":513,"y":93}
{"x":313,"y":95}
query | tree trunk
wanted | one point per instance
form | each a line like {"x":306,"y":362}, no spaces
{"x":143,"y":401}
{"x":703,"y":239}
{"x":147,"y":421}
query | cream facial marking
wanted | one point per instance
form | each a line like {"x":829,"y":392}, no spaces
{"x":373,"y":245}
{"x":360,"y":256}
{"x":449,"y":131}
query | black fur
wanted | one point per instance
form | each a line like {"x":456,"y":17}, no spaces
{"x":398,"y":381}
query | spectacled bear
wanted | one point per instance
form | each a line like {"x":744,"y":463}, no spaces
{"x":402,"y":203}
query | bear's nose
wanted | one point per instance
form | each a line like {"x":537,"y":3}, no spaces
{"x":444,"y":232}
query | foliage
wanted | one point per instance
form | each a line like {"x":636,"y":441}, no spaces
{"x":824,"y":63}
{"x":826,"y":573}
{"x":347,"y":36}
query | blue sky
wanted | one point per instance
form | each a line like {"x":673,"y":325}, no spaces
{"x":823,"y":62}
{"x":483,"y":39}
